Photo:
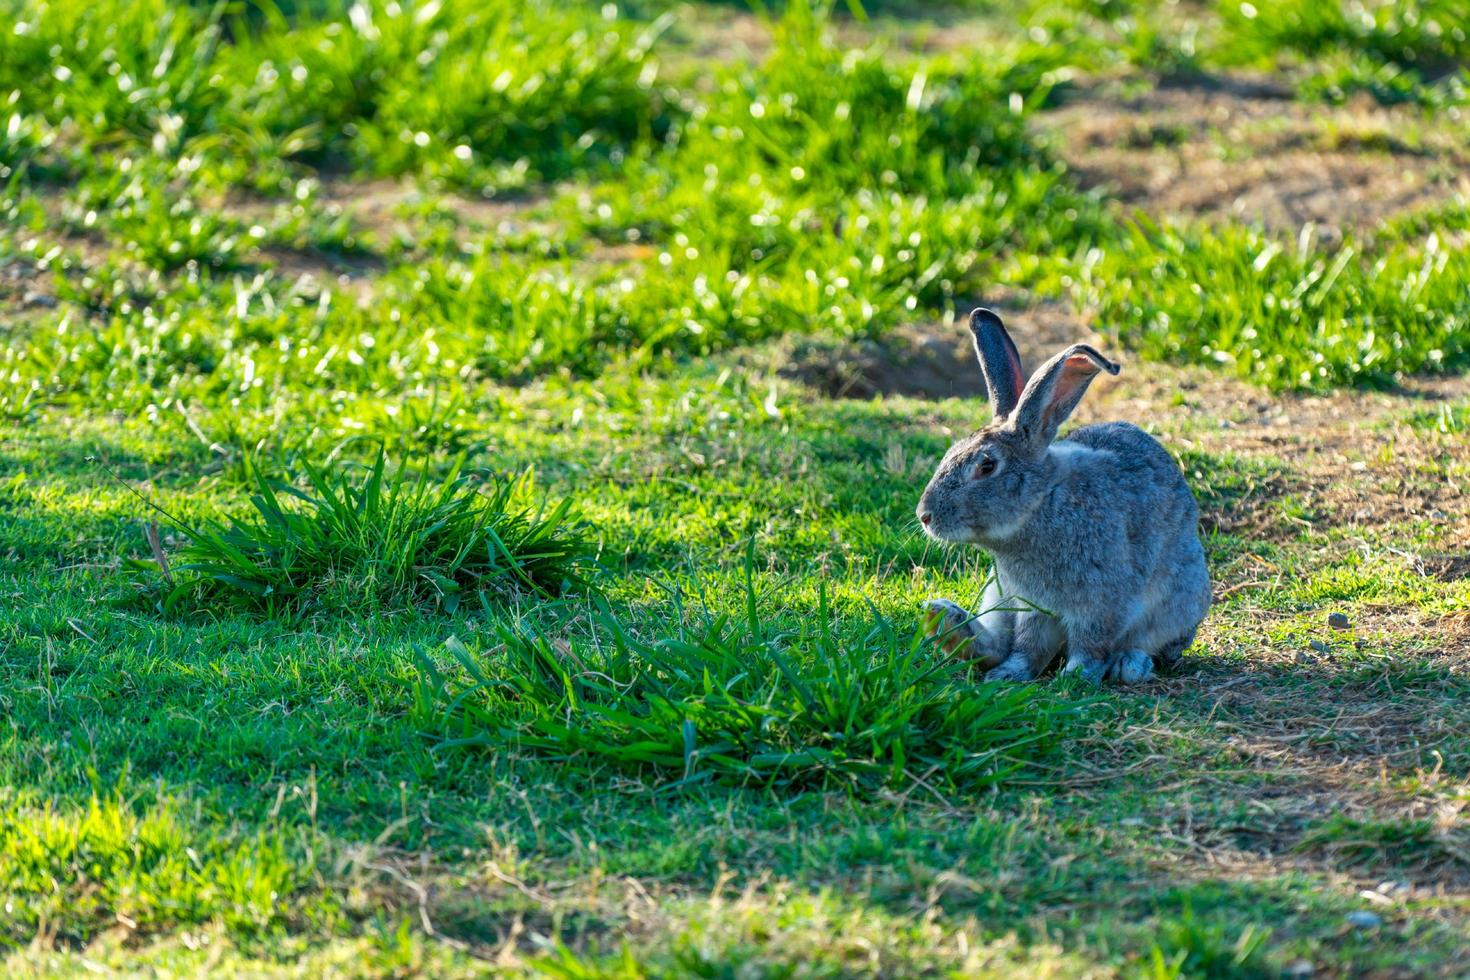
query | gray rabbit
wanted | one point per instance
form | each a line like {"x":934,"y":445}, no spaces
{"x":1095,"y":537}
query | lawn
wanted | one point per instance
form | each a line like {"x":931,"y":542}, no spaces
{"x":459,"y":459}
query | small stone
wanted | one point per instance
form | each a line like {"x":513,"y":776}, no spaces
{"x":1320,"y":647}
{"x":1437,"y":515}
{"x":1300,"y":970}
{"x":1375,"y":897}
{"x":1364,"y":919}
{"x":41,"y":300}
{"x":1338,"y":621}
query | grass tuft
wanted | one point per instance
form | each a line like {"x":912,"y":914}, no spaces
{"x":733,"y":700}
{"x":401,"y":537}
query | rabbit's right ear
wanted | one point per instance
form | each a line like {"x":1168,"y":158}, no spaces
{"x":1055,"y":389}
{"x":998,"y":360}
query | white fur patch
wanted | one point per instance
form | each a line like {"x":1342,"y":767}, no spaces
{"x":1069,"y":455}
{"x":999,"y":532}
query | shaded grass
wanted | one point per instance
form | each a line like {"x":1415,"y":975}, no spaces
{"x":323,"y":715}
{"x":746,"y":702}
{"x":1379,"y":842}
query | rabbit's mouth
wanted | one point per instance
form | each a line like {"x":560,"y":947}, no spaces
{"x":946,"y":533}
{"x":986,"y":536}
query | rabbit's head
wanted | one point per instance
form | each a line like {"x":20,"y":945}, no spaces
{"x":989,"y":482}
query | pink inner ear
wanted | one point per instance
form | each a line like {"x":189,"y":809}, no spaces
{"x":1076,"y":370}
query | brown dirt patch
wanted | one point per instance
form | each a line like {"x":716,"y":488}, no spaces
{"x":1240,"y":149}
{"x":383,"y":210}
{"x":378,"y":206}
{"x":926,"y":360}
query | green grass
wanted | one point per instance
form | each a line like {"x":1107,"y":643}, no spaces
{"x":301,"y":677}
{"x":76,"y":865}
{"x":383,"y":87}
{"x":1403,"y":842}
{"x":1287,"y":314}
{"x":360,"y":542}
{"x":1393,"y":51}
{"x":1429,"y":37}
{"x":741,"y":700}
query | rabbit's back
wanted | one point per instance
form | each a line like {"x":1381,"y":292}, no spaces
{"x":1156,"y":506}
{"x":1142,"y":488}
{"x":1143,"y":473}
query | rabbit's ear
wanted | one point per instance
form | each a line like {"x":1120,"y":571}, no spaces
{"x":999,"y":361}
{"x":1055,"y":389}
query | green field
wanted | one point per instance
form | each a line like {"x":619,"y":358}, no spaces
{"x":459,"y":460}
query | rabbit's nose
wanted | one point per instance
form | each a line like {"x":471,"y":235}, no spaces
{"x":926,"y":517}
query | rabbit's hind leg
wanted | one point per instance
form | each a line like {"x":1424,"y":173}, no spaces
{"x":1131,"y":667}
{"x":1168,"y":655}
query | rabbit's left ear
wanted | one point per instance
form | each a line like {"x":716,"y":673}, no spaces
{"x":1055,"y":389}
{"x":998,"y":361}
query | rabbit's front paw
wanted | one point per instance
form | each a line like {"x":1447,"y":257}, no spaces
{"x":950,"y":625}
{"x":1087,"y":667}
{"x":1127,"y":667}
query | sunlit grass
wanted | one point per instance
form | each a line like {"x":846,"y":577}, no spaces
{"x":67,"y":869}
{"x":1287,"y":314}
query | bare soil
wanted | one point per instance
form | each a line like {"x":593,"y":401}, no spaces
{"x":1242,"y":149}
{"x":927,"y":359}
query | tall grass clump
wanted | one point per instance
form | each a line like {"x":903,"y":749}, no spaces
{"x":1288,"y":315}
{"x":740,"y":700}
{"x":401,"y":537}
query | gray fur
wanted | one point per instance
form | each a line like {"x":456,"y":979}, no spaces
{"x":1098,"y":529}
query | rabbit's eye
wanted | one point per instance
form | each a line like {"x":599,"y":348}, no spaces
{"x":985,"y":467}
